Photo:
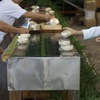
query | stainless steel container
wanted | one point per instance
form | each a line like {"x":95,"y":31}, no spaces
{"x":44,"y":73}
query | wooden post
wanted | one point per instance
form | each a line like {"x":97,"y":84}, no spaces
{"x":15,"y":95}
{"x":68,"y":95}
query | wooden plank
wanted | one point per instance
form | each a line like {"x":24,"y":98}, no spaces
{"x":98,"y":3}
{"x":68,"y":95}
{"x":39,"y":94}
{"x":15,"y":95}
{"x":51,"y":27}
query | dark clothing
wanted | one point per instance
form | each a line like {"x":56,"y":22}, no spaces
{"x":3,"y":71}
{"x":19,"y":22}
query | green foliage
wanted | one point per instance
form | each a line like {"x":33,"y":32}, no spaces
{"x":28,"y":2}
{"x":88,"y":75}
{"x":43,"y":46}
{"x":43,"y":3}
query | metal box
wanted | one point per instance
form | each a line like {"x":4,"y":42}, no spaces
{"x":43,"y":73}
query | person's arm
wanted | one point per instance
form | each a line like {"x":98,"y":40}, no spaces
{"x":73,"y":31}
{"x":91,"y":32}
{"x":10,"y":29}
{"x":87,"y":33}
{"x":37,"y":17}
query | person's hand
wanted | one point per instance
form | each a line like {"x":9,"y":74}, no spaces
{"x":98,"y":39}
{"x":73,"y":31}
{"x":11,"y":36}
{"x":47,"y":17}
{"x":23,"y":30}
{"x":70,"y":29}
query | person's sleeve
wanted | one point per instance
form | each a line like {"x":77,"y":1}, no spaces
{"x":15,"y":10}
{"x":91,"y":32}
